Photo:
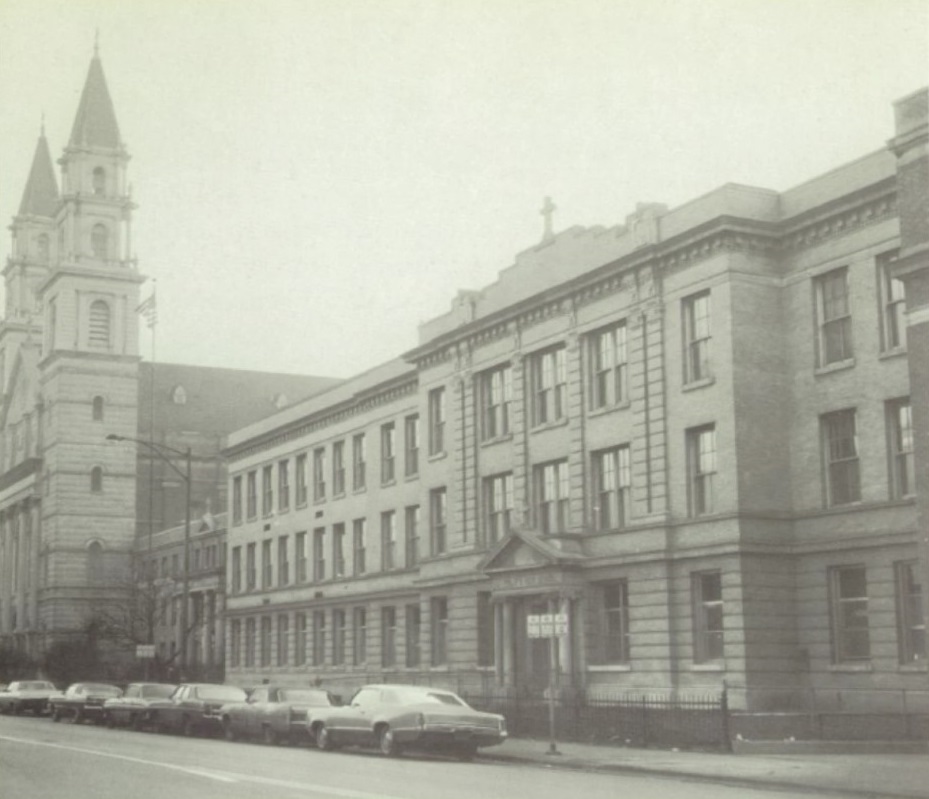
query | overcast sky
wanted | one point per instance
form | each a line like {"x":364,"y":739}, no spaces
{"x":316,"y":177}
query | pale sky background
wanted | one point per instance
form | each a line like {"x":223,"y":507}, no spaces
{"x":316,"y":177}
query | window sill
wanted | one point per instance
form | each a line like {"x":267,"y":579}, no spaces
{"x":360,"y":490}
{"x":339,"y":495}
{"x":605,"y":410}
{"x":409,"y":478}
{"x":541,"y":428}
{"x":896,"y":352}
{"x":300,"y":505}
{"x":613,"y":667}
{"x":489,"y":442}
{"x":388,"y":483}
{"x":437,"y":456}
{"x":707,"y":667}
{"x":282,"y":510}
{"x":913,"y":668}
{"x":443,"y":667}
{"x":851,"y":668}
{"x":319,"y":501}
{"x":694,"y":385}
{"x":838,"y":366}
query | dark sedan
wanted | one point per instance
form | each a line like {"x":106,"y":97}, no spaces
{"x":398,"y":717}
{"x":275,"y":714}
{"x":82,"y":701}
{"x":132,"y":708}
{"x":23,"y":695}
{"x":193,"y":708}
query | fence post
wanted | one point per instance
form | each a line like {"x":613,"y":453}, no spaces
{"x":724,"y":708}
{"x":644,"y":720}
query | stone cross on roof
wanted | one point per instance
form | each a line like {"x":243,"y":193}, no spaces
{"x":548,"y":209}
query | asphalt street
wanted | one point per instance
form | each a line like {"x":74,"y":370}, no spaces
{"x":41,"y":759}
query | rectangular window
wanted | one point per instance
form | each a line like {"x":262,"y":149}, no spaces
{"x":266,"y":566}
{"x":411,"y":445}
{"x":388,"y":637}
{"x":612,"y":479}
{"x":338,"y":637}
{"x":549,"y":385}
{"x":485,"y":630}
{"x":300,"y":639}
{"x":388,"y":452}
{"x":249,"y":642}
{"x":319,"y":637}
{"x":359,"y":636}
{"x":552,"y":491}
{"x":267,"y":491}
{"x":319,"y":554}
{"x":359,"y":533}
{"x":250,"y":573}
{"x":495,"y":387}
{"x":411,"y":535}
{"x":438,"y":520}
{"x":282,"y":640}
{"x":613,"y":623}
{"x":251,"y":508}
{"x":338,"y":468}
{"x":902,"y":456}
{"x":840,"y":457}
{"x":235,"y":642}
{"x":911,"y":620}
{"x":437,"y":421}
{"x":439,"y":630}
{"x":237,"y":499}
{"x":300,"y":556}
{"x":413,"y":634}
{"x":319,"y":474}
{"x":236,"y":570}
{"x":388,"y":540}
{"x":283,"y":564}
{"x":498,"y":502}
{"x":283,"y":485}
{"x":851,"y":638}
{"x":359,"y":459}
{"x":893,"y":303}
{"x":338,"y":550}
{"x":265,"y":641}
{"x":708,"y":617}
{"x":608,"y":367}
{"x":302,"y":480}
{"x":833,"y":317}
{"x":695,"y":311}
{"x":701,"y":469}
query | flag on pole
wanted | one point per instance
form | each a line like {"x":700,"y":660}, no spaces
{"x":149,"y":310}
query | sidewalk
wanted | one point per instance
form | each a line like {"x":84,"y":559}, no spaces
{"x":876,"y":775}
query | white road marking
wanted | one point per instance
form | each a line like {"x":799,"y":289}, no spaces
{"x":213,"y":774}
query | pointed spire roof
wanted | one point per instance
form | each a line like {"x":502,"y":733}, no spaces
{"x":95,"y":124}
{"x":40,"y":197}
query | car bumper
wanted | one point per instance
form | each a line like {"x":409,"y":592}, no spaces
{"x":440,"y":738}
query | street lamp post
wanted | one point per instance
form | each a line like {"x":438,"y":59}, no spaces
{"x":159,"y":451}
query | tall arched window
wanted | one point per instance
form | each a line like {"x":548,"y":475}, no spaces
{"x":99,"y":180}
{"x":99,"y":331}
{"x":96,"y":479}
{"x":95,"y":562}
{"x":98,"y":409}
{"x":100,"y":241}
{"x":42,"y":247}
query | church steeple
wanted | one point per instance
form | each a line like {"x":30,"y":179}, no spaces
{"x":95,"y":124}
{"x":40,"y":197}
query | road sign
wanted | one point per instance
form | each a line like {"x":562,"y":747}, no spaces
{"x":145,"y":651}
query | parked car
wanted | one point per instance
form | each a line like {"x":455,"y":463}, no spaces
{"x":398,"y":717}
{"x":82,"y":700}
{"x":132,"y":708}
{"x":31,"y":695}
{"x":275,"y":713}
{"x":193,"y":708}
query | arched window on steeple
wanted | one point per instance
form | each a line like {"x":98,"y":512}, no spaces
{"x":99,"y":330}
{"x":98,"y":409}
{"x":100,"y":241}
{"x":42,"y":248}
{"x":99,"y":180}
{"x":95,"y":571}
{"x":96,"y":480}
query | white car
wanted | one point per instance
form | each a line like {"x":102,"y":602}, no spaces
{"x":32,"y":695}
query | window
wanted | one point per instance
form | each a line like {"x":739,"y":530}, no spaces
{"x":701,"y":469}
{"x":300,"y":639}
{"x":99,"y":325}
{"x":266,"y":566}
{"x":319,"y":554}
{"x":358,"y":462}
{"x":840,"y":457}
{"x":496,"y":393}
{"x":237,"y":500}
{"x":437,"y":421}
{"x":358,"y":546}
{"x":485,"y":630}
{"x":388,"y":540}
{"x":265,"y":644}
{"x":99,"y":180}
{"x":411,"y":535}
{"x":388,"y":637}
{"x":300,"y":556}
{"x":833,"y":315}
{"x":708,"y":617}
{"x":267,"y":491}
{"x":911,"y":621}
{"x":359,"y":636}
{"x":96,"y":479}
{"x":608,"y":367}
{"x":552,"y":490}
{"x":388,"y":435}
{"x":42,"y":247}
{"x":851,"y":639}
{"x":411,"y":445}
{"x":235,"y":642}
{"x":236,"y":569}
{"x":696,"y":327}
{"x":175,"y":567}
{"x":438,"y":519}
{"x":97,"y":410}
{"x":612,"y":481}
{"x":95,"y":567}
{"x":613,"y":623}
{"x":251,"y":508}
{"x":413,"y":634}
{"x":283,"y":565}
{"x":302,"y":481}
{"x":498,"y":501}
{"x":902,"y":457}
{"x":319,"y":474}
{"x":338,"y":637}
{"x":282,"y":622}
{"x":283,"y":485}
{"x":338,"y":550}
{"x":549,"y":385}
{"x":439,"y":630}
{"x":250,"y":573}
{"x":319,"y":637}
{"x":338,"y":468}
{"x":893,"y":304}
{"x":100,"y":241}
{"x":249,"y":642}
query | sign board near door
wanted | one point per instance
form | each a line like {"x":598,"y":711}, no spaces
{"x":546,"y":625}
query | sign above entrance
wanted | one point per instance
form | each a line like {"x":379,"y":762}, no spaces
{"x":145,"y":651}
{"x":546,"y":625}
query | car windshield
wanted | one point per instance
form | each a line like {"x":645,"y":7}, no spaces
{"x":35,"y":686}
{"x":220,"y":693}
{"x":430,"y":697}
{"x":157,"y":691}
{"x":306,"y":696}
{"x":98,"y":688}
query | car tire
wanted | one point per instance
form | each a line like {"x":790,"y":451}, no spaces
{"x":189,"y":728}
{"x":268,"y":735}
{"x":109,"y":721}
{"x":387,"y":743}
{"x":228,"y":729}
{"x":323,"y":739}
{"x":77,"y":718}
{"x":158,"y":724}
{"x":135,"y":721}
{"x":466,"y":753}
{"x":17,"y":709}
{"x":56,"y":714}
